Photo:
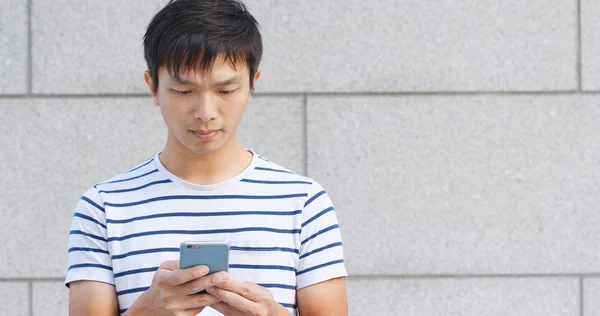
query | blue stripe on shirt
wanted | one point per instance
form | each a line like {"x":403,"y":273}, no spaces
{"x":320,"y":266}
{"x":206,"y":232}
{"x":84,"y":249}
{"x":314,"y":198}
{"x":136,"y":188}
{"x":201,"y":214}
{"x":286,"y":305}
{"x":135,"y":290}
{"x":144,"y":251}
{"x":337,"y":244}
{"x":79,"y":232}
{"x":136,"y":271}
{"x":207,"y":197}
{"x":235,"y":248}
{"x":93,"y":220}
{"x":319,"y":233}
{"x":261,"y":267}
{"x":274,"y":170}
{"x":329,"y":209}
{"x":128,"y":179}
{"x":144,"y":164}
{"x":274,"y":182}
{"x":90,"y":265}
{"x":93,"y":203}
{"x":278,"y":286}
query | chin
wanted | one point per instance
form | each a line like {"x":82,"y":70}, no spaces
{"x":205,"y":148}
{"x":198,"y":147}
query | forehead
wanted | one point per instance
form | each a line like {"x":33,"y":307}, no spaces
{"x":221,"y":69}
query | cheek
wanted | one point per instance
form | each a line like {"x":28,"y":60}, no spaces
{"x":172,"y":115}
{"x":240,"y":106}
{"x":234,"y":113}
{"x":170,"y":104}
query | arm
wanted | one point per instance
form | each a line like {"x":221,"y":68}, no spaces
{"x":90,"y":276}
{"x":321,"y":289}
{"x":323,"y":299}
{"x":92,"y":299}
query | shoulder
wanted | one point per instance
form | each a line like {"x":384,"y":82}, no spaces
{"x":138,"y":173}
{"x":268,"y":169}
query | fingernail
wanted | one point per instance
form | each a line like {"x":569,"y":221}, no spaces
{"x":204,"y":270}
{"x":210,"y":290}
{"x":224,"y":277}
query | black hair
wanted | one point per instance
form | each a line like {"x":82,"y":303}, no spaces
{"x":191,"y":34}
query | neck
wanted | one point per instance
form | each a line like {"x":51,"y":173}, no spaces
{"x":205,"y":169}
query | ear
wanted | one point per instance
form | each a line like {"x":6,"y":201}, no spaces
{"x":150,"y":83}
{"x":254,"y":80}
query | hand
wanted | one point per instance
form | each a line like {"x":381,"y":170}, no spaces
{"x":242,"y":299}
{"x":174,"y":292}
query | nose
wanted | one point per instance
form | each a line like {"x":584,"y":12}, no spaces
{"x":205,"y":109}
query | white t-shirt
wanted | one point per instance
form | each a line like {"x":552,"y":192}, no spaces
{"x":281,"y":226}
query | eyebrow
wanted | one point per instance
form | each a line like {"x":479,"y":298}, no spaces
{"x":229,"y":81}
{"x":225,"y":82}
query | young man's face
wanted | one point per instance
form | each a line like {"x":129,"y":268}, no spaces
{"x":203,"y":111}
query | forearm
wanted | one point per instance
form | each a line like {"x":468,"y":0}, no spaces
{"x":280,"y":310}
{"x":140,"y":306}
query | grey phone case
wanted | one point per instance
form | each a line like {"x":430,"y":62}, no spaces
{"x":215,"y":255}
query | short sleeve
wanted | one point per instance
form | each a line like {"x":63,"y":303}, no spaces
{"x":88,"y":256}
{"x":321,"y":250}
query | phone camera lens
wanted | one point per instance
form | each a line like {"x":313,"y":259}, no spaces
{"x":189,"y":246}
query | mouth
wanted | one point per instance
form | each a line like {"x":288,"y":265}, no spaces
{"x":205,"y":134}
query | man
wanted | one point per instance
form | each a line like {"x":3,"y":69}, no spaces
{"x":286,"y":253}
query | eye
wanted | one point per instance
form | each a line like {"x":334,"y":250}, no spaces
{"x":226,"y":92}
{"x":182,"y":92}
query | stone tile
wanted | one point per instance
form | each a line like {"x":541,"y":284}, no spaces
{"x":50,"y":299}
{"x":591,"y":292}
{"x":14,"y":298}
{"x":386,"y":45}
{"x":13,"y":46}
{"x":94,"y":47}
{"x":461,"y":184}
{"x":274,"y":127}
{"x":590,"y":45}
{"x":465,"y":297}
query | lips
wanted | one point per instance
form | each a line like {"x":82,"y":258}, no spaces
{"x":205,"y":134}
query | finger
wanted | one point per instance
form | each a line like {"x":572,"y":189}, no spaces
{"x":249,"y":290}
{"x":202,"y":283}
{"x":170,"y":265}
{"x":179,"y":277}
{"x":226,"y":309}
{"x":192,"y":312}
{"x":198,"y":301}
{"x":193,"y":302}
{"x":235,"y":300}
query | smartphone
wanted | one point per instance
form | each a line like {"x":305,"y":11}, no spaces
{"x":214,"y":255}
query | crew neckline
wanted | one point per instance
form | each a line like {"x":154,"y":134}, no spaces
{"x":211,"y":187}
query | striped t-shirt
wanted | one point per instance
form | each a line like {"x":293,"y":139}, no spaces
{"x":281,"y":226}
